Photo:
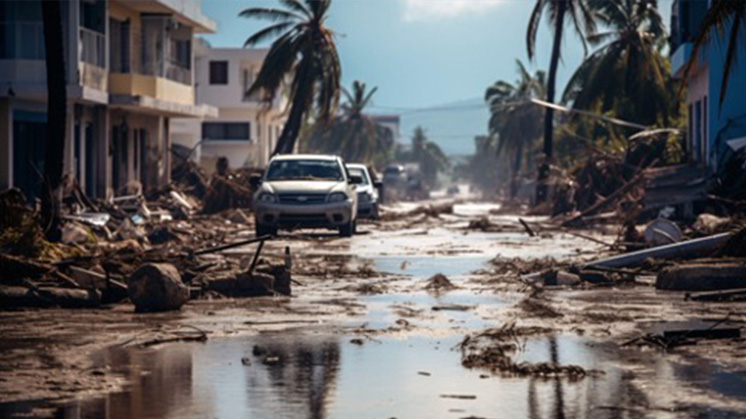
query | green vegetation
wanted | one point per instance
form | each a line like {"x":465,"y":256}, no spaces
{"x":577,"y":12}
{"x":515,"y":120}
{"x":353,"y":135}
{"x":303,"y":51}
{"x":627,"y":73}
{"x":427,"y":155}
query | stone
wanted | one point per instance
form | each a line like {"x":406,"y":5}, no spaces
{"x":157,"y":287}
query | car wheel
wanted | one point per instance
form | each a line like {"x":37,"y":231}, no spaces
{"x":265,"y":230}
{"x":347,"y":230}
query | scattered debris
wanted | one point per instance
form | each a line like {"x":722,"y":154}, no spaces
{"x":439,"y":282}
{"x":492,"y":349}
{"x":458,"y":396}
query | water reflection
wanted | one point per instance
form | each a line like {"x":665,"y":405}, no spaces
{"x":323,"y":376}
{"x":302,"y":381}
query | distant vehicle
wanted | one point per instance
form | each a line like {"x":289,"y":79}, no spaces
{"x":305,"y":191}
{"x":394,"y":175}
{"x":367,"y":192}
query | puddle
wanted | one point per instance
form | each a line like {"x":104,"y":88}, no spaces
{"x":326,"y":376}
{"x":424,"y":267}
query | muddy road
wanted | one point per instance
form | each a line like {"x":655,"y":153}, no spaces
{"x":372,"y":331}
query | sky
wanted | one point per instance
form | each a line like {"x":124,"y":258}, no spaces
{"x":423,"y":53}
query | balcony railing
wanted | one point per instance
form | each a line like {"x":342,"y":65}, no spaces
{"x":176,"y":72}
{"x":23,"y":40}
{"x":93,"y":47}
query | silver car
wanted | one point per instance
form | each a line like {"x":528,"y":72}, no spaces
{"x":367,"y":193}
{"x":306,"y":191}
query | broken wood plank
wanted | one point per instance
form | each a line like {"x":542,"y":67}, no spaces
{"x":231,"y":245}
{"x":720,"y":333}
{"x":718,"y":295}
{"x":527,"y":227}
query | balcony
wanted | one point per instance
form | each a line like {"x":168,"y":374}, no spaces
{"x":93,"y":47}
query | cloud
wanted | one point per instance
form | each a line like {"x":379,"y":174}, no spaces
{"x":430,"y":10}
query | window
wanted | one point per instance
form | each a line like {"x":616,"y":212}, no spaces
{"x":218,"y":72}
{"x":232,"y":131}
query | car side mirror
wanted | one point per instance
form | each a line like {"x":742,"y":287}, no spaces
{"x":255,"y":181}
{"x":378,"y":184}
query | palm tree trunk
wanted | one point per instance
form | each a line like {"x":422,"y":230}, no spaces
{"x":516,"y":170}
{"x":301,"y":102}
{"x":542,"y":188}
{"x":56,"y":116}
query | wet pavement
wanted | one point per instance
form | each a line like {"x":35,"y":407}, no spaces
{"x":393,"y":352}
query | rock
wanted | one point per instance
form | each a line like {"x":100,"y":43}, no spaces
{"x":702,"y":277}
{"x":565,"y":278}
{"x":157,"y":287}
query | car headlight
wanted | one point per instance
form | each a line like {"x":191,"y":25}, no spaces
{"x":268,"y":197}
{"x":364,"y":197}
{"x":338,"y":197}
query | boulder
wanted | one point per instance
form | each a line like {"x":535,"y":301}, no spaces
{"x":702,"y":277}
{"x":157,"y":287}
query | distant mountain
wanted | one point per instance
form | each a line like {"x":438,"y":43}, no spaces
{"x":453,"y":126}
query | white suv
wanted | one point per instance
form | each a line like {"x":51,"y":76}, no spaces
{"x":306,"y":191}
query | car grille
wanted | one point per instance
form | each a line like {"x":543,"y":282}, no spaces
{"x":302,"y":198}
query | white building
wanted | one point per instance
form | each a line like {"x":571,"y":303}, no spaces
{"x":246,"y":129}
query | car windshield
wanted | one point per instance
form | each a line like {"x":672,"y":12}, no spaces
{"x":358,"y":176}
{"x":304,"y":170}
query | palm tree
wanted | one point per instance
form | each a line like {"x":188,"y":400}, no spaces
{"x":627,"y":73}
{"x":54,"y":151}
{"x":428,"y":155}
{"x":353,"y":135}
{"x":303,"y":50}
{"x":721,"y":15}
{"x":515,"y":120}
{"x":583,"y":23}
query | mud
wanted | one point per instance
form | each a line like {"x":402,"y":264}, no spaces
{"x":361,"y":338}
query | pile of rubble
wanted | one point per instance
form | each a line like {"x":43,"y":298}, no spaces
{"x":157,"y":253}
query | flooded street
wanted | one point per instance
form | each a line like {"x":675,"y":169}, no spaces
{"x":374,"y":341}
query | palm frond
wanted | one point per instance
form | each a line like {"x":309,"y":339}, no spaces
{"x":269,"y":14}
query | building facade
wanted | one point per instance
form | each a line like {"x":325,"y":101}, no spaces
{"x":715,"y":127}
{"x":246,"y":129}
{"x":129,"y":70}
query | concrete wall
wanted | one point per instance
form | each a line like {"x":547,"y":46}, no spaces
{"x":231,"y":94}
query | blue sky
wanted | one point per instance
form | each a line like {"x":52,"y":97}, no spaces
{"x":421,"y":53}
